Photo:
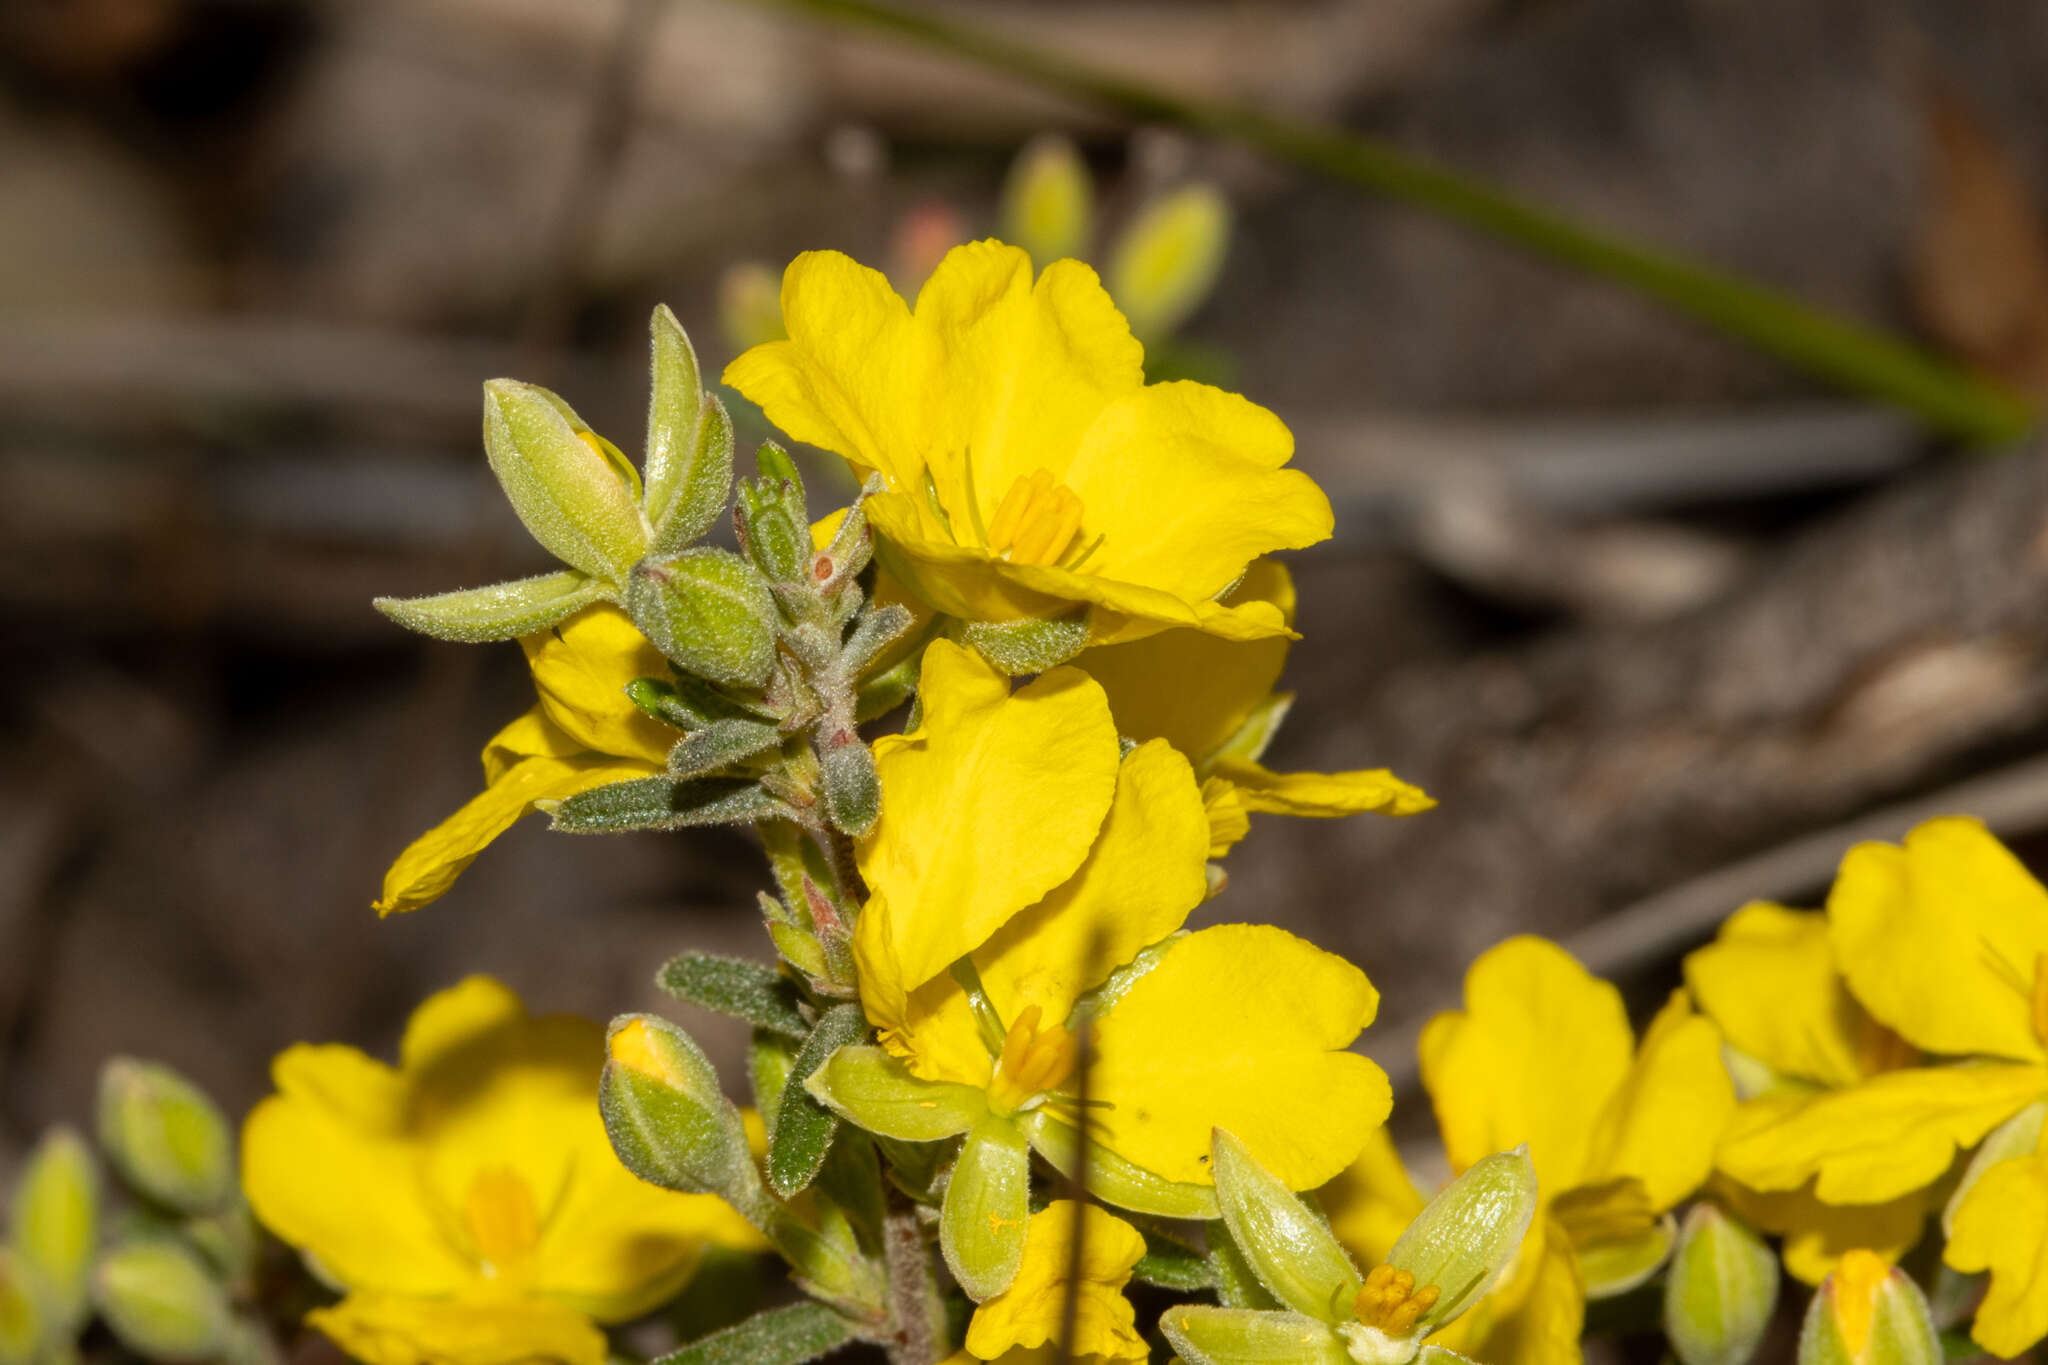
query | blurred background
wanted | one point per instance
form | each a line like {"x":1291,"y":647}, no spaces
{"x":1662,"y":623}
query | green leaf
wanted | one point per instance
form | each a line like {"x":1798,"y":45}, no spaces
{"x":988,"y":1200}
{"x":1167,"y":261}
{"x":780,"y":1336}
{"x":710,"y":612}
{"x":165,"y":1137}
{"x":1464,"y":1237}
{"x":721,"y":744}
{"x":689,"y":468}
{"x":1237,"y":1284}
{"x":867,"y":1086}
{"x":1245,"y":1336}
{"x":659,"y":803}
{"x":1028,"y":646}
{"x":1288,"y":1244}
{"x":162,"y":1302}
{"x":573,"y":497}
{"x":54,"y":1221}
{"x":803,"y":1127}
{"x":876,"y":631}
{"x":1172,"y":1264}
{"x":887,"y":690}
{"x":746,"y":990}
{"x":475,"y":616}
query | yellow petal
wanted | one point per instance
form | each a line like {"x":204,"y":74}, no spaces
{"x":2002,"y":1227}
{"x":932,"y":1028}
{"x":854,"y":376}
{"x":1890,"y":1135}
{"x":1323,"y":794}
{"x":581,"y":668}
{"x":347,"y":1193}
{"x":1148,"y":869}
{"x":1229,"y":822}
{"x":1028,"y":1314}
{"x":1186,"y":485}
{"x":456,"y":1018}
{"x":1818,"y":1235}
{"x":1027,"y":369}
{"x":1769,"y":980}
{"x":1661,"y":1126}
{"x":1539,"y":1048}
{"x":533,"y":735}
{"x":1372,"y":1201}
{"x":1191,"y":689}
{"x":395,"y":1329}
{"x":1125,"y":611}
{"x":1240,"y":1027}
{"x":1942,"y":939}
{"x":431,"y":863}
{"x":1549,"y":1308}
{"x":989,"y":804}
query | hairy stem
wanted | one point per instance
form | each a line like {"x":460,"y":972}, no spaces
{"x":1854,"y":357}
{"x":917,"y":1311}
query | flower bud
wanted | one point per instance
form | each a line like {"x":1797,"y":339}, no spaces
{"x":1290,"y":1248}
{"x":55,"y":1222}
{"x":847,"y":779}
{"x":24,"y":1319}
{"x":164,"y":1136}
{"x":668,"y":1120}
{"x":1048,"y":202}
{"x":777,"y":542}
{"x":1167,"y":261}
{"x":1868,"y":1313}
{"x":689,"y":442}
{"x":162,"y":1302}
{"x":1468,"y":1233}
{"x":708,"y":610}
{"x":1720,"y":1290}
{"x":577,"y":496}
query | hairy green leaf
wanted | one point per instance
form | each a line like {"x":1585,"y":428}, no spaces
{"x":732,"y":985}
{"x":660,"y":803}
{"x":502,"y":611}
{"x":780,"y":1336}
{"x":803,"y":1126}
{"x":721,"y":744}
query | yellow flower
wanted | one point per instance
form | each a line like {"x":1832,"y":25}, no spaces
{"x":1029,"y":470}
{"x":583,"y":733}
{"x":1016,"y":1325}
{"x":1013,"y":836}
{"x":1945,"y":942}
{"x":468,"y":1200}
{"x":1214,"y":701}
{"x":1619,"y":1132}
{"x":1769,"y":981}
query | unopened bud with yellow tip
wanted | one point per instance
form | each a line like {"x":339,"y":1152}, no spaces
{"x":54,"y":1222}
{"x":1868,"y":1313}
{"x":165,"y":1137}
{"x":669,"y":1122}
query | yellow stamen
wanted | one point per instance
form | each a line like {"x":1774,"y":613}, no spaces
{"x":503,"y":1223}
{"x":1391,"y":1302}
{"x":1036,"y":521}
{"x":1034,"y":1061}
{"x":2040,"y":1001}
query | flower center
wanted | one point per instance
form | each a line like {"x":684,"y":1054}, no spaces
{"x":503,"y":1222}
{"x":1033,"y":1062}
{"x":1391,"y":1302}
{"x":1036,"y":521}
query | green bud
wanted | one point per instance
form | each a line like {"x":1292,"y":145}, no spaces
{"x":1721,"y":1290}
{"x":1289,"y":1245}
{"x":1048,"y":201}
{"x":1167,"y":261}
{"x":668,"y":1120}
{"x":988,"y":1200}
{"x":868,"y":1087}
{"x":780,"y":476}
{"x":1031,"y":645}
{"x":55,"y":1221}
{"x":708,"y":610}
{"x":24,"y":1318}
{"x":499,"y":612}
{"x":1468,"y":1233}
{"x":1246,"y":1336}
{"x":1868,"y":1313}
{"x":575,"y":494}
{"x":164,"y":1136}
{"x":777,"y":543}
{"x":847,"y":779}
{"x":689,"y":457}
{"x":162,"y":1302}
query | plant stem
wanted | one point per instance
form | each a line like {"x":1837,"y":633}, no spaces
{"x":917,"y":1311}
{"x":1862,"y":359}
